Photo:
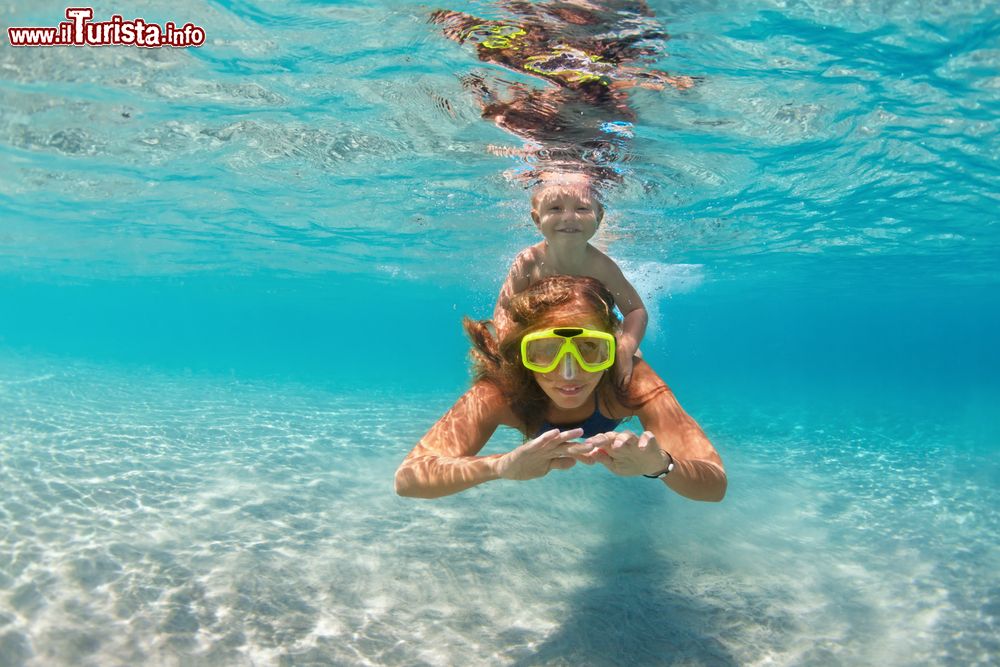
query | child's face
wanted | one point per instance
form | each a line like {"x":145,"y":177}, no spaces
{"x":566,"y":215}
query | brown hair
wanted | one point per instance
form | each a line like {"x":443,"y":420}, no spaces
{"x":547,"y":303}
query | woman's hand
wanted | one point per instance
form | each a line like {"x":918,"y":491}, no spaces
{"x":535,"y":458}
{"x":625,"y":453}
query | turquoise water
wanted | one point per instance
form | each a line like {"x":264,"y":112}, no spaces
{"x":207,"y":257}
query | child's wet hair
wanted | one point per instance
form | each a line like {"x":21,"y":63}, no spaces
{"x":585,"y":190}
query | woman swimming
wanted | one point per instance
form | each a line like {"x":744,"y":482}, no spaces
{"x":581,"y":45}
{"x":548,"y":378}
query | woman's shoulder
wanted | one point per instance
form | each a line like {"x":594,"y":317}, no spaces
{"x":643,"y":387}
{"x":488,"y":398}
{"x":644,"y":378}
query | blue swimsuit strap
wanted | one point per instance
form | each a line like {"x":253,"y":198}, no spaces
{"x":592,"y":425}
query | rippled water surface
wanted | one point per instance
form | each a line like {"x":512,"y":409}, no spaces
{"x":313,"y":137}
{"x":209,"y":257}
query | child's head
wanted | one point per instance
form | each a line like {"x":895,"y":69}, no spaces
{"x":568,"y":203}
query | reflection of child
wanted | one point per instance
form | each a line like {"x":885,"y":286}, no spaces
{"x":567,"y":213}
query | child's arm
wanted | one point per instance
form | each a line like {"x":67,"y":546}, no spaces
{"x":636,"y":318}
{"x":518,"y":280}
{"x":629,"y":77}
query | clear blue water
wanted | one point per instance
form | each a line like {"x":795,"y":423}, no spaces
{"x":206,"y":257}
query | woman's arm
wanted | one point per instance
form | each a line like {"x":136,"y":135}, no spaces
{"x":458,"y":24}
{"x":698,"y":473}
{"x":445,"y":461}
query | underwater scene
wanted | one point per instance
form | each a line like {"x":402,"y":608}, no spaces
{"x":234,"y":266}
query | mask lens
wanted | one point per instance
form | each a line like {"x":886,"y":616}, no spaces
{"x":593,"y":350}
{"x":543,"y":352}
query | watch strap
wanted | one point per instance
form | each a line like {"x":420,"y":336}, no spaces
{"x":665,"y":471}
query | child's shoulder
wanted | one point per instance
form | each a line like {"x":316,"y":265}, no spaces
{"x":594,"y":253}
{"x":525,"y":268}
{"x":599,"y":262}
{"x":531,"y":255}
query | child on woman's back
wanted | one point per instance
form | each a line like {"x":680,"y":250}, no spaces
{"x":567,"y":213}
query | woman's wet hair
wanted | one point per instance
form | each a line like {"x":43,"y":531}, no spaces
{"x":551,"y":302}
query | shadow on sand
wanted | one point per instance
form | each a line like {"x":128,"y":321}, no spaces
{"x":633,"y":614}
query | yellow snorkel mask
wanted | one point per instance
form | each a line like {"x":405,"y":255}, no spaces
{"x":542,"y":351}
{"x":500,"y":36}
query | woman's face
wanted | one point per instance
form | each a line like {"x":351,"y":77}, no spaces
{"x":569,"y":386}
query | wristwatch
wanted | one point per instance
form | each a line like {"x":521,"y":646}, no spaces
{"x":665,"y":471}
